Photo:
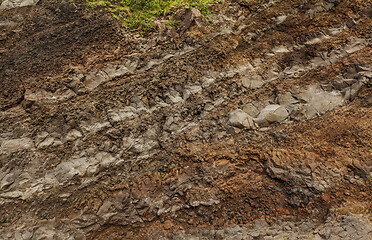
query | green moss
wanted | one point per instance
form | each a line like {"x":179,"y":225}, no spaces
{"x":138,"y":14}
{"x":173,"y":23}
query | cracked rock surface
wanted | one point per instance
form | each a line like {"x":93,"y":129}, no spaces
{"x":252,"y":124}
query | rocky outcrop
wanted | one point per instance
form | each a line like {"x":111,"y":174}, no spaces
{"x":254,"y":124}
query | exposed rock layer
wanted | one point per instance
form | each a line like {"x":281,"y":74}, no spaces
{"x":253,"y":125}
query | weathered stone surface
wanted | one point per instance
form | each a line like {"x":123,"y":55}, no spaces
{"x":272,"y":114}
{"x":355,"y":44}
{"x":91,"y":127}
{"x":48,"y":141}
{"x":114,"y":71}
{"x":9,"y":4}
{"x":286,"y":99}
{"x":121,"y":114}
{"x":95,"y":79}
{"x":307,"y":230}
{"x":281,"y":19}
{"x":73,"y":135}
{"x":280,"y":49}
{"x":252,"y":81}
{"x":251,"y":110}
{"x":9,"y":146}
{"x":321,"y":102}
{"x":240,"y":119}
{"x":43,"y":96}
{"x":136,"y":135}
{"x":83,"y":166}
{"x":189,"y":90}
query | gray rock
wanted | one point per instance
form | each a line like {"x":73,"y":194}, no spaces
{"x":295,"y":69}
{"x":366,"y":71}
{"x":114,"y":71}
{"x":281,"y":49}
{"x":173,"y":96}
{"x":251,"y":110}
{"x":95,"y":79}
{"x":208,"y":202}
{"x":43,"y":96}
{"x":67,"y":170}
{"x":207,"y":81}
{"x":83,"y":166}
{"x":255,"y":234}
{"x":46,"y":142}
{"x":355,"y":45}
{"x":272,"y":114}
{"x":240,"y":119}
{"x":9,"y":4}
{"x":306,"y":227}
{"x":14,"y":194}
{"x":351,"y":92}
{"x":286,"y":99}
{"x":220,"y":235}
{"x":276,"y":172}
{"x":325,"y":232}
{"x":337,"y":230}
{"x":189,"y":90}
{"x":73,"y":135}
{"x":91,"y":127}
{"x":322,"y":102}
{"x":318,"y":39}
{"x":305,"y":95}
{"x":252,"y":82}
{"x":281,"y":19}
{"x":148,"y":141}
{"x":119,"y":115}
{"x":317,"y":61}
{"x":260,"y":224}
{"x":41,"y":137}
{"x":316,"y":101}
{"x":8,"y":179}
{"x":317,"y":237}
{"x":196,"y":13}
{"x":15,"y":145}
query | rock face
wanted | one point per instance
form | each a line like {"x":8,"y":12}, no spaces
{"x":253,"y":122}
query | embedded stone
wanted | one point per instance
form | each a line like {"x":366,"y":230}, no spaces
{"x":271,"y":114}
{"x":240,"y":119}
{"x":252,"y":82}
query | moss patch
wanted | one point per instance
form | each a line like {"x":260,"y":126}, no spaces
{"x":138,"y":14}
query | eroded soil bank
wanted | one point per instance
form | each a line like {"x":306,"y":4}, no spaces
{"x":253,"y":123}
